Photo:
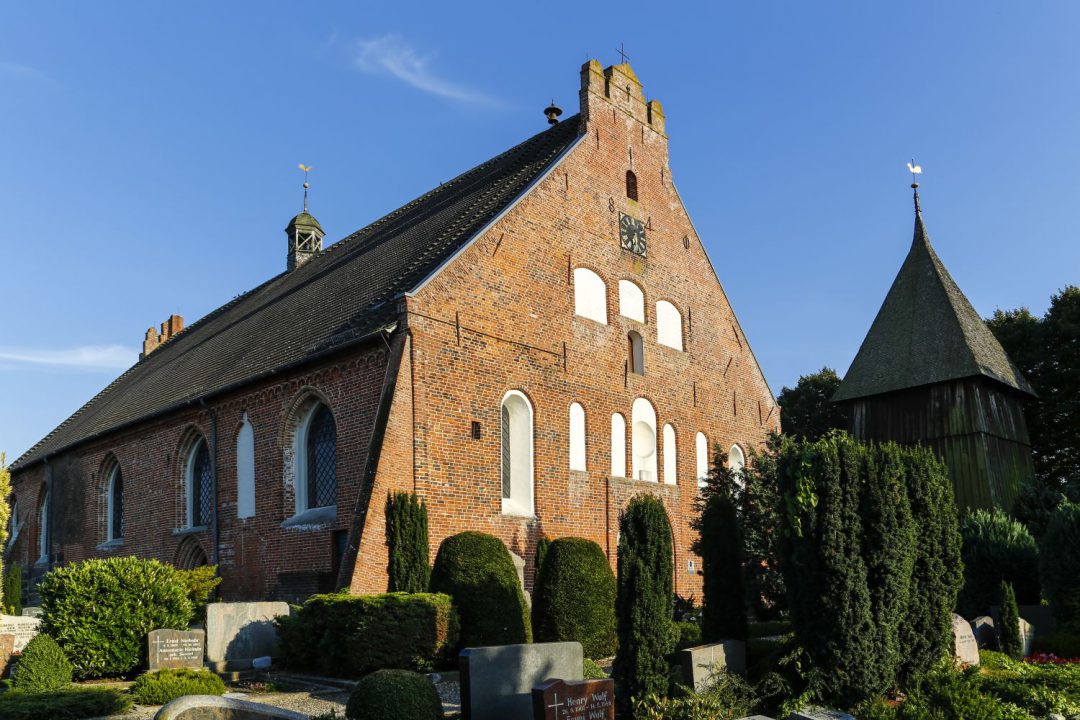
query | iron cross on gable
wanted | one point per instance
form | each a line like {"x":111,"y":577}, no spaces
{"x":622,"y":53}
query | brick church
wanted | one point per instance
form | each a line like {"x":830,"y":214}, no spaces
{"x":527,"y":347}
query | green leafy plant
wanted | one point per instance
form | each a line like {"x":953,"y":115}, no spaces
{"x":352,"y":635}
{"x":407,"y":541}
{"x":100,"y":611}
{"x":394,"y":695}
{"x":689,"y":634}
{"x":644,"y":601}
{"x":200,"y":583}
{"x":592,"y":671}
{"x":996,"y":548}
{"x":1009,"y":633}
{"x":70,"y":704}
{"x":42,"y":668}
{"x":476,"y":570}
{"x":726,"y":698}
{"x":164,"y":686}
{"x":1059,"y":565}
{"x":574,"y":597}
{"x":13,"y":589}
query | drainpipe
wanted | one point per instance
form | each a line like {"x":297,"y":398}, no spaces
{"x":214,"y":529}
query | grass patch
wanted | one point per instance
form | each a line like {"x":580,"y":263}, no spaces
{"x":70,"y":704}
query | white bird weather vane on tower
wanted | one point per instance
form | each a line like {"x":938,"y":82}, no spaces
{"x":914,"y":169}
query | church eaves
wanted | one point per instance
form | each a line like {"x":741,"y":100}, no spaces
{"x":926,"y":332}
{"x":343,"y":296}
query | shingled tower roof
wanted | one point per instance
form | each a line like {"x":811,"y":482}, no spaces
{"x":926,"y":332}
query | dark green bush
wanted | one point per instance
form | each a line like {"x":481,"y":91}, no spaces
{"x":407,"y":542}
{"x":200,"y":582}
{"x":1009,"y":632}
{"x":574,"y":597}
{"x":71,"y":704}
{"x":592,"y":671}
{"x":476,"y":570}
{"x":720,"y":544}
{"x":542,"y":546}
{"x":394,"y":695}
{"x":12,"y":592}
{"x":42,"y":668}
{"x":996,"y":548}
{"x":100,"y":611}
{"x":644,"y":604}
{"x":689,"y":634}
{"x":164,"y":686}
{"x":1061,"y":643}
{"x":1059,"y":565}
{"x":353,"y":635}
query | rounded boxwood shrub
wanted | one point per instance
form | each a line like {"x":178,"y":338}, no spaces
{"x":394,"y":695}
{"x":574,"y":598}
{"x":1059,"y":565}
{"x":99,"y":611}
{"x":164,"y":686}
{"x":476,"y":570}
{"x":42,"y":668}
{"x":996,"y":549}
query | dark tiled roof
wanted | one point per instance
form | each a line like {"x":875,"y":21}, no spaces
{"x":926,"y":332}
{"x":341,"y":297}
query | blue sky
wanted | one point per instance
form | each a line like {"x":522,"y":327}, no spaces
{"x":150,"y":153}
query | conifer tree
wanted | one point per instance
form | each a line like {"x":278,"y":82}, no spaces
{"x":1009,"y":634}
{"x":5,"y":514}
{"x":542,"y":546}
{"x":407,"y":540}
{"x":644,"y":603}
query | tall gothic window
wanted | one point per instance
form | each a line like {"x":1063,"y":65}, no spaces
{"x":517,"y":454}
{"x":635,"y":350}
{"x":43,"y":528}
{"x":643,"y":440}
{"x":116,"y":504}
{"x":618,"y":446}
{"x":671,"y":456}
{"x":320,"y":469}
{"x":701,"y":451}
{"x":736,"y":461}
{"x":631,"y":185}
{"x":577,"y":437}
{"x":200,"y":485}
{"x":245,"y":470}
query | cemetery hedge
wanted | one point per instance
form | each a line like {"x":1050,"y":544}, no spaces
{"x":720,"y":545}
{"x":70,"y":704}
{"x":644,"y":603}
{"x":1059,"y":565}
{"x":394,"y":695}
{"x":996,"y":548}
{"x":476,"y":570}
{"x":163,"y":686}
{"x":353,"y":635}
{"x":100,"y":610}
{"x":407,"y":541}
{"x":574,"y":597}
{"x":42,"y":667}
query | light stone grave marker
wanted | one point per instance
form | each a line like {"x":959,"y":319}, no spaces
{"x":967,"y":650}
{"x":23,"y":628}
{"x":237,"y":633}
{"x":175,"y":649}
{"x":497,"y":682}
{"x":700,"y":663}
{"x":1027,"y":637}
{"x":812,"y":712}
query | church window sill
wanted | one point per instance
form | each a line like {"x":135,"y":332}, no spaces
{"x":313,"y":519}
{"x":113,"y":544}
{"x":189,"y":530}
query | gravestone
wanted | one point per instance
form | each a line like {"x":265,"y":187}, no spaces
{"x":236,"y":633}
{"x":7,"y":646}
{"x":1027,"y":636}
{"x":23,"y":628}
{"x":984,"y":631}
{"x":700,"y":663}
{"x":32,"y":611}
{"x":812,"y":712}
{"x":580,"y":700}
{"x":175,"y":649}
{"x":1040,"y":616}
{"x":497,"y":682}
{"x":967,"y":650}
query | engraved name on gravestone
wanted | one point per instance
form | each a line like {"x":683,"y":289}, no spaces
{"x":175,"y":649}
{"x":575,"y":700}
{"x":23,"y":628}
{"x":966,"y":649}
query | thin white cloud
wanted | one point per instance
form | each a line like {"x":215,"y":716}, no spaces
{"x":13,"y":69}
{"x":392,"y":55}
{"x":91,"y":357}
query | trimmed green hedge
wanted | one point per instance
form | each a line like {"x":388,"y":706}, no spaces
{"x":996,"y":548}
{"x":164,"y":686}
{"x":100,"y":611}
{"x":394,"y":695}
{"x":353,"y":635}
{"x":574,"y":597}
{"x":42,"y":668}
{"x":70,"y":704}
{"x":1059,"y":565}
{"x":476,"y":570}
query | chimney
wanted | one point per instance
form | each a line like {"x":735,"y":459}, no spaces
{"x":154,"y":340}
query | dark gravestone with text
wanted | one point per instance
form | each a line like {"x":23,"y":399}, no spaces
{"x":175,"y":649}
{"x":575,"y":700}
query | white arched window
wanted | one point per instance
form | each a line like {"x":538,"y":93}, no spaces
{"x":43,"y":529}
{"x":316,"y":459}
{"x":643,"y":440}
{"x":736,"y":461}
{"x":671,"y":457}
{"x":701,"y":448}
{"x":115,"y":505}
{"x":590,"y":295}
{"x":245,"y":470}
{"x":618,"y":446}
{"x":577,"y":437}
{"x":631,"y":301}
{"x":668,"y":325}
{"x":517,"y":454}
{"x":199,"y":485}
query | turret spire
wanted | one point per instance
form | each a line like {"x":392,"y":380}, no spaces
{"x":306,"y":169}
{"x":304,"y":232}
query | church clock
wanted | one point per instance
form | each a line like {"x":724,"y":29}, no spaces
{"x":632,"y":234}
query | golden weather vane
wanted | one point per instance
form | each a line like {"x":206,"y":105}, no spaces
{"x":306,"y":169}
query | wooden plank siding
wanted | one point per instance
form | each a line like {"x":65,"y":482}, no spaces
{"x":975,"y":425}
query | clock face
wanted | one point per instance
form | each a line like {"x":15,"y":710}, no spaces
{"x":632,"y":234}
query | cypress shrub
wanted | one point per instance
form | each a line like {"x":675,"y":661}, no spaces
{"x":542,"y":546}
{"x":1009,"y":634}
{"x":644,"y":603}
{"x":13,"y":590}
{"x":394,"y":695}
{"x":407,"y":540}
{"x":1059,"y":565}
{"x":163,"y":686}
{"x":996,"y":548}
{"x":476,"y":570}
{"x":719,"y":543}
{"x":99,"y":611}
{"x":574,"y":597}
{"x":42,"y":668}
